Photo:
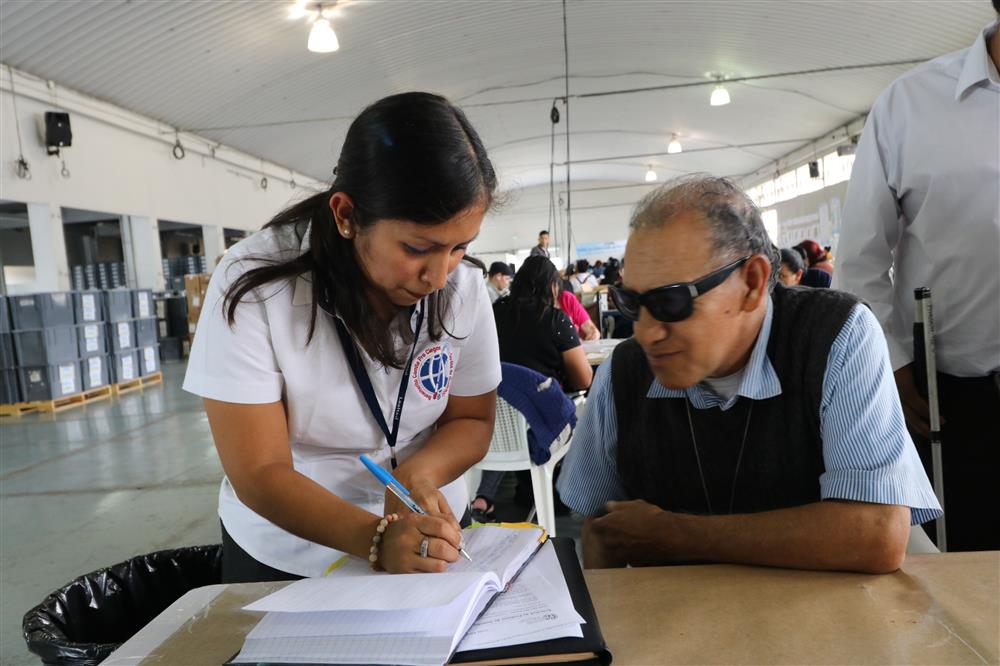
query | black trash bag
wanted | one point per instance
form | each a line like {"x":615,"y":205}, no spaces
{"x":85,"y":621}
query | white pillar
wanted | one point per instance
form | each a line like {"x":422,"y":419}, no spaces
{"x":48,"y":245}
{"x":214,"y":243}
{"x":143,"y":258}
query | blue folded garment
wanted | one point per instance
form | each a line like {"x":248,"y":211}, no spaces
{"x":541,"y":399}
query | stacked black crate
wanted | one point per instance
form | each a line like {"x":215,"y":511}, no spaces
{"x":124,"y":361}
{"x":9,"y":391}
{"x":43,"y":328}
{"x":92,"y":340}
{"x":79,"y":282}
{"x":90,"y":276}
{"x":175,"y":268}
{"x":172,"y":325}
{"x":146,"y":331}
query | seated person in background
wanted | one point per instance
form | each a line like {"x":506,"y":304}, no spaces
{"x":498,"y":280}
{"x":536,"y":334}
{"x":598,"y":269}
{"x":565,"y":275}
{"x":792,"y":268}
{"x":570,"y":304}
{"x":749,"y":423}
{"x":817,"y":278}
{"x":612,"y":274}
{"x":582,"y":279}
{"x":816,"y":256}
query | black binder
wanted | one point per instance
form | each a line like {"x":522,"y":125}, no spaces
{"x":590,"y":649}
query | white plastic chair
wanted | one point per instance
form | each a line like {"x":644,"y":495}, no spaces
{"x":509,"y":453}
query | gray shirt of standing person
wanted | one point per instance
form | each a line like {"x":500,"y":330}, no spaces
{"x":542,"y":249}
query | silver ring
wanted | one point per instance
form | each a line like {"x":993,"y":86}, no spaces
{"x":424,"y":544}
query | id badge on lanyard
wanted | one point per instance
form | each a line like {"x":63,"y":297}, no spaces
{"x":365,"y":383}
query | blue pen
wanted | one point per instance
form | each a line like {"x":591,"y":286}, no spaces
{"x":399,"y":490}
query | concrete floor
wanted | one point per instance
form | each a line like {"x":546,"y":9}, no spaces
{"x":96,"y":485}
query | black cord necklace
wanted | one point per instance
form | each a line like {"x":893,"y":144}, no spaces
{"x":739,"y":458}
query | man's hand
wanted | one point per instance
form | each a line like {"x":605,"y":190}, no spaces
{"x":915,"y":408}
{"x":630,"y":533}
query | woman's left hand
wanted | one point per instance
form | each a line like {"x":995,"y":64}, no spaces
{"x":427,"y":495}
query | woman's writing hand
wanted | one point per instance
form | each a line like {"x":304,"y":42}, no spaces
{"x":400,"y":550}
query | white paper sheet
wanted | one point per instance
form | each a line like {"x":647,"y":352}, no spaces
{"x":358,"y":593}
{"x":536,"y":607}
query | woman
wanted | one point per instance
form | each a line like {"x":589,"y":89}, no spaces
{"x":583,"y":281}
{"x":816,"y":256}
{"x":351,"y":325}
{"x":791,"y":270}
{"x":534,"y":333}
{"x":570,"y":304}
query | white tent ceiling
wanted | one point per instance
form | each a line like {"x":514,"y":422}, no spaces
{"x":238,"y":72}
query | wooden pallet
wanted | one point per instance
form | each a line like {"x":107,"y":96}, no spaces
{"x":137,"y":384}
{"x":57,"y":405}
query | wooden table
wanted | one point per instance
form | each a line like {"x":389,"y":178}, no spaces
{"x":939,"y":609}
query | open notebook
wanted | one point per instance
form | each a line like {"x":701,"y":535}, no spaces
{"x":355,"y":617}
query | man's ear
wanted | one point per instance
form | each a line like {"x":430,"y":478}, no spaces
{"x":757,"y":276}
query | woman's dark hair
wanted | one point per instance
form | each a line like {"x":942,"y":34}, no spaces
{"x":531,"y":290}
{"x":412,"y":156}
{"x":792,"y":259}
{"x":582,"y":265}
{"x":814,"y":253}
{"x":612,"y":275}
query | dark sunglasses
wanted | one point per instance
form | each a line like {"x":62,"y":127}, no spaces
{"x":673,"y":302}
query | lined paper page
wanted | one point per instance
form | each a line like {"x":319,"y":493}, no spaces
{"x":442,"y":620}
{"x":501,"y":550}
{"x":537,"y":606}
{"x":403,"y":649}
{"x":353,"y":593}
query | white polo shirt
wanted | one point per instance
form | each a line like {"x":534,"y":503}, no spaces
{"x":264,"y":358}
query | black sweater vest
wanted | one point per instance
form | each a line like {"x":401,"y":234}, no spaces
{"x":783,"y":457}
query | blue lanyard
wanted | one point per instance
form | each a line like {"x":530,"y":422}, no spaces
{"x":365,"y":383}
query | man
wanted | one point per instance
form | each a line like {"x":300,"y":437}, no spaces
{"x":498,"y":280}
{"x":792,"y":268}
{"x":542,"y":249}
{"x":744,"y":422}
{"x":923,"y":206}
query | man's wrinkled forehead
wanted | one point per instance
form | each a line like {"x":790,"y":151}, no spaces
{"x":679,"y":250}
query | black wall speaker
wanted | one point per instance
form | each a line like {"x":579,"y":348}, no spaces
{"x":58,"y":134}
{"x":814,"y":169}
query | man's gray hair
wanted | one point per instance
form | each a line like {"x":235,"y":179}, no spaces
{"x":732,"y":217}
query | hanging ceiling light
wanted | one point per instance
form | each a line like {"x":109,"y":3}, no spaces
{"x":720,"y":96}
{"x":298,"y":9}
{"x":674,"y":146}
{"x":650,"y":175}
{"x":322,"y":38}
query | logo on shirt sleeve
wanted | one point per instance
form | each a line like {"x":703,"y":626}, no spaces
{"x":432,"y":371}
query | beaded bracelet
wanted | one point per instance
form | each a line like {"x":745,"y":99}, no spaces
{"x":383,"y":525}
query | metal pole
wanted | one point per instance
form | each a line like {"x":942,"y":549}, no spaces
{"x":569,"y":208}
{"x":923,"y":325}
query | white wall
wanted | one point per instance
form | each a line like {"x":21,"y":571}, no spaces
{"x":817,"y":215}
{"x":122,"y":164}
{"x":600,"y":214}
